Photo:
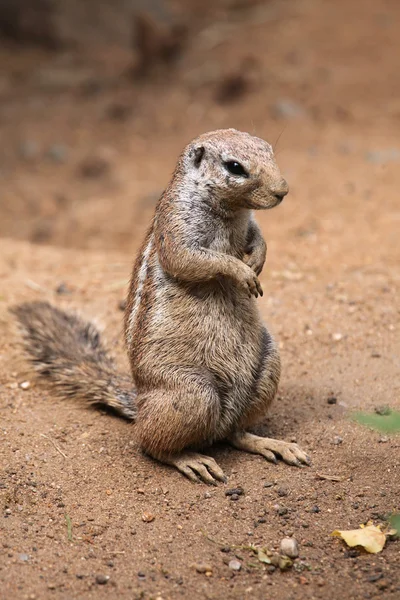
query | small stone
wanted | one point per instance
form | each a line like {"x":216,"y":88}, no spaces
{"x":51,"y":586}
{"x":141,"y":575}
{"x":235,"y":497}
{"x":269,"y":484}
{"x":337,"y":440}
{"x":383,"y":410}
{"x":25,"y":385}
{"x":29,"y":150}
{"x":332,"y":400}
{"x":225,"y":549}
{"x":57,"y":153}
{"x":235,"y":565}
{"x":207,"y":495}
{"x":62,"y":289}
{"x":282,"y":491}
{"x":315,"y":509}
{"x":382,"y":585}
{"x":289,"y":547}
{"x":122,"y":305}
{"x":203,"y":568}
{"x":238,"y":491}
{"x":287,"y":109}
{"x":383,"y":439}
{"x":282,"y":510}
{"x":23,"y":557}
{"x":102,"y":579}
{"x":337,"y":337}
{"x":147,"y":517}
{"x":8,"y":511}
{"x":94,"y":167}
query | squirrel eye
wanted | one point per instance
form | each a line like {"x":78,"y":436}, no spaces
{"x":235,"y":168}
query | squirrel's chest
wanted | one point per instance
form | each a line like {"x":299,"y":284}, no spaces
{"x":228,"y":240}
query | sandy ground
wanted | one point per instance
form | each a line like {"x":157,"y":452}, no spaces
{"x":81,"y":164}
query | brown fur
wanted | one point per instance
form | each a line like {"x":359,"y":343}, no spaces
{"x":204,"y":365}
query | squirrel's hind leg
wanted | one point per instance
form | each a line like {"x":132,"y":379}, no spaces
{"x":182,"y":412}
{"x":265,"y":391}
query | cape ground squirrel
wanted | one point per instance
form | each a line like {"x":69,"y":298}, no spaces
{"x":204,"y":366}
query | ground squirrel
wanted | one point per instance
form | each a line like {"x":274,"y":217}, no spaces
{"x":204,"y":366}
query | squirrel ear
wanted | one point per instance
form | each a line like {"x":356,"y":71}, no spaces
{"x":198,"y":155}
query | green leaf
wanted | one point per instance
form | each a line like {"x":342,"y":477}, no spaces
{"x":395,"y":523}
{"x":385,"y":423}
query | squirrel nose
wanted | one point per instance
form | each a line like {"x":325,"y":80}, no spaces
{"x":281,"y":192}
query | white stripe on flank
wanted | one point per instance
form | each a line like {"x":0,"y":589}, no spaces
{"x":140,"y":283}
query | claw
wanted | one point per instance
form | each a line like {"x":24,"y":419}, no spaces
{"x":197,"y":467}
{"x":289,"y":452}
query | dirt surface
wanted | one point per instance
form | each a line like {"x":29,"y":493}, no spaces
{"x":83,"y":157}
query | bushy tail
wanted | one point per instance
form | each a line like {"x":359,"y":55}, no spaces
{"x":68,"y":352}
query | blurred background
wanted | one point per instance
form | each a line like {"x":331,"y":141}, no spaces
{"x":98,"y":97}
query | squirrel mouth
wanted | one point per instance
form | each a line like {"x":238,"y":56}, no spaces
{"x":266,"y":202}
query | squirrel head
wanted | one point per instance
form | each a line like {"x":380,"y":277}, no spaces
{"x":234,"y":167}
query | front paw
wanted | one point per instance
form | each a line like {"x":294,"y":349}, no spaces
{"x":249,"y":281}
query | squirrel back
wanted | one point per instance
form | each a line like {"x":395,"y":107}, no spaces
{"x":68,"y":352}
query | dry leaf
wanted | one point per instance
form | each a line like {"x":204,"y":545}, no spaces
{"x":263,"y":557}
{"x":369,"y":537}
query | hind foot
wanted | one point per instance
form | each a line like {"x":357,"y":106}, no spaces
{"x":196,"y":467}
{"x":269,"y":448}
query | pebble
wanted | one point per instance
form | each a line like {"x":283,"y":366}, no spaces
{"x":383,"y":439}
{"x":23,"y":557}
{"x":94,"y":167}
{"x":235,"y":565}
{"x":269,"y":484}
{"x":238,"y":491}
{"x":62,"y":289}
{"x":337,"y":337}
{"x":25,"y":385}
{"x":289,"y":547}
{"x":28,"y":150}
{"x":203,"y":568}
{"x":282,"y":510}
{"x":122,"y":305}
{"x":315,"y":509}
{"x":102,"y":579}
{"x":287,"y":109}
{"x":234,"y":497}
{"x":332,"y":400}
{"x":384,"y":411}
{"x":147,"y":517}
{"x":58,"y":153}
{"x":282,"y":491}
{"x":337,"y":440}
